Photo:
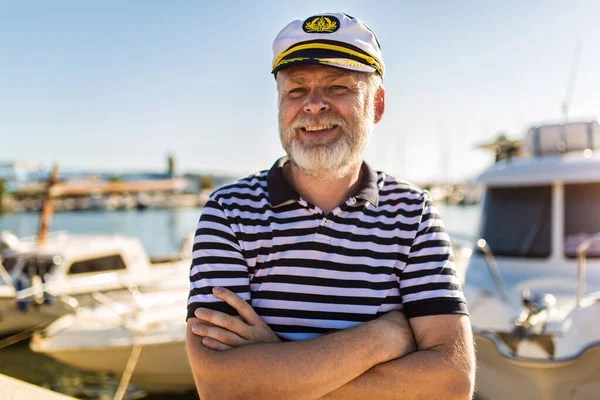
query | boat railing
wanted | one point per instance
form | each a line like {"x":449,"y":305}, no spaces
{"x":124,"y":313}
{"x":70,"y":301}
{"x":4,"y":275}
{"x":112,"y":305}
{"x":582,"y":250}
{"x":492,"y":267}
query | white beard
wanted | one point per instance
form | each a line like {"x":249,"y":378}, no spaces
{"x":329,"y":159}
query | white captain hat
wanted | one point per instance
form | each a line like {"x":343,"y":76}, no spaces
{"x":334,"y":39}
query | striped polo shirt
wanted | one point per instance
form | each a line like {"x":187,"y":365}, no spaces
{"x":307,"y":273}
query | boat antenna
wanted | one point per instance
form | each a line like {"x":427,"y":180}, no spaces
{"x":572,"y":78}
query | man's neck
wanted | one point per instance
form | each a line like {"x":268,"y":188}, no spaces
{"x":324,"y":192}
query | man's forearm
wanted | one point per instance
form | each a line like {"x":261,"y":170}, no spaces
{"x":293,"y":370}
{"x":426,"y":374}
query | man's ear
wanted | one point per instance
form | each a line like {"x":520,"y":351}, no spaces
{"x":379,"y":104}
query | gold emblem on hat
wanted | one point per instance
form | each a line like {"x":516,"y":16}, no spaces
{"x":320,"y":25}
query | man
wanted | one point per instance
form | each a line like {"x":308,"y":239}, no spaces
{"x":302,"y":275}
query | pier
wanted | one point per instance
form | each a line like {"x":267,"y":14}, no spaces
{"x":105,"y":195}
{"x":13,"y":389}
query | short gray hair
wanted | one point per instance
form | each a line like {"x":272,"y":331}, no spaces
{"x":374,"y":83}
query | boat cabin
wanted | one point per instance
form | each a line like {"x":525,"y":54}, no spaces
{"x":537,"y":209}
{"x":78,"y":261}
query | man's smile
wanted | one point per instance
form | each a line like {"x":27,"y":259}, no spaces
{"x":322,"y":129}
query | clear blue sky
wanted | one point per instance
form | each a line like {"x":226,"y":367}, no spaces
{"x":116,"y":85}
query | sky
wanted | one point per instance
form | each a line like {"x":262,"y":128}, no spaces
{"x":116,"y":86}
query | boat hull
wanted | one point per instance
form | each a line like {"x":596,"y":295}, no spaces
{"x":161,"y":368}
{"x":500,"y":377}
{"x":14,"y":320}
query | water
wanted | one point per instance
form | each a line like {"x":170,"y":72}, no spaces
{"x":19,"y":362}
{"x":462,"y":222}
{"x":161,"y":232}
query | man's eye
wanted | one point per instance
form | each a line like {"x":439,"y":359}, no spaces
{"x":338,"y":87}
{"x":297,"y":90}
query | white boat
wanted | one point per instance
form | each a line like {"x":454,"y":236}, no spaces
{"x":533,"y":282}
{"x":46,"y":281}
{"x":106,"y":338}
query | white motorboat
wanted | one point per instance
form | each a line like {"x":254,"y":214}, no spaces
{"x":46,"y":281}
{"x":148,"y":329}
{"x":533,"y":280}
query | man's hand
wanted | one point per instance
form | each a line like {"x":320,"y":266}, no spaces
{"x":224,"y":332}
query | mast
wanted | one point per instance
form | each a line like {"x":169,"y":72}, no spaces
{"x":571,"y":82}
{"x":47,"y":208}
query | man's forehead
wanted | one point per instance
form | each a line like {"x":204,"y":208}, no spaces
{"x":304,"y":73}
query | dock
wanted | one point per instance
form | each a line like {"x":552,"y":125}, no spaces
{"x":14,"y":389}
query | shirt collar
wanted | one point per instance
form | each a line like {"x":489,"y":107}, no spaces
{"x":281,"y":192}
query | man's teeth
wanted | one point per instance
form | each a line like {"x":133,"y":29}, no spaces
{"x":318,"y":128}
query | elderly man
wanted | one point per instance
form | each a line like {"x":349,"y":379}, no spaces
{"x":322,"y":278}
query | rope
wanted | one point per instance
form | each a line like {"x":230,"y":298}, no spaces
{"x":131,"y":363}
{"x":21,"y":335}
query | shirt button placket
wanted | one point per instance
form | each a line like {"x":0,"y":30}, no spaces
{"x":320,"y":235}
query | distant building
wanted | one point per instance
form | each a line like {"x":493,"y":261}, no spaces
{"x":19,"y":173}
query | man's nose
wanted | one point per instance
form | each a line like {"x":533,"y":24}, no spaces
{"x":316,"y":103}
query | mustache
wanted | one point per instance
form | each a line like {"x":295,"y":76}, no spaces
{"x":303,"y":121}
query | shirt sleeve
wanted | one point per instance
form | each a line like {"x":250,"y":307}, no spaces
{"x":217,"y":260}
{"x":428,"y":282}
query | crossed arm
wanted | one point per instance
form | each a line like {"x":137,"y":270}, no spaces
{"x":242,"y":358}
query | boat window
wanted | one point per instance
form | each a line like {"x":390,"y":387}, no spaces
{"x":582,"y":217}
{"x":100,"y":264}
{"x":516,"y":222}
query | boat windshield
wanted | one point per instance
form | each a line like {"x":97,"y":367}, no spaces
{"x":516,"y":222}
{"x":582,"y":217}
